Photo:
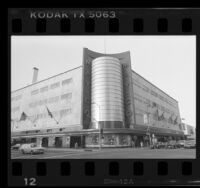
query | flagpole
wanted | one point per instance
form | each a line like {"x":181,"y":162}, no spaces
{"x":50,"y":114}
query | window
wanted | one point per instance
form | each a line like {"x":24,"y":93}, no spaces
{"x":167,"y":110}
{"x":148,"y":101}
{"x":15,"y":109}
{"x":154,"y":93}
{"x":165,"y":99}
{"x":136,"y":85}
{"x":64,"y":112}
{"x":67,"y":81}
{"x":55,"y":85}
{"x":66,"y":96}
{"x":31,"y":105}
{"x":42,"y":102}
{"x":162,"y":108}
{"x":137,"y":99}
{"x":34,"y":92}
{"x":18,"y":97}
{"x":43,"y":89}
{"x":161,"y":97}
{"x":145,"y":88}
{"x":53,"y":99}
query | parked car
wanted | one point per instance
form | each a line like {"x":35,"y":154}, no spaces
{"x":180,"y":143}
{"x":31,"y":149}
{"x":171,"y":144}
{"x":190,"y":144}
{"x":158,"y":145}
{"x":16,"y":146}
{"x":161,"y":145}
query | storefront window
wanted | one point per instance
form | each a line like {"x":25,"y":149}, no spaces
{"x":123,"y":140}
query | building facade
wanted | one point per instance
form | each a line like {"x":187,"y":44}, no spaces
{"x":103,"y":95}
{"x":189,"y":131}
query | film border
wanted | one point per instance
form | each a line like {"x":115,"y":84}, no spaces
{"x":149,"y":19}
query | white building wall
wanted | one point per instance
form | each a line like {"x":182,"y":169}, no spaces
{"x":66,"y":110}
{"x":146,"y":94}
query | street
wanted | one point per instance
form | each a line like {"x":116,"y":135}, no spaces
{"x":112,"y":153}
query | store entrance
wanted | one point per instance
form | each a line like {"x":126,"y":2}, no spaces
{"x":74,"y":140}
{"x":45,"y":141}
{"x":58,"y":142}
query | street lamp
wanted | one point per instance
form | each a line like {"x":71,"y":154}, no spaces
{"x":100,"y":144}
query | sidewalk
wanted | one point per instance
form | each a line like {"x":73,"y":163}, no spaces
{"x":70,"y":149}
{"x":94,"y":149}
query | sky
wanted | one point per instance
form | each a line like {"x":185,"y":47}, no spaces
{"x":169,"y":62}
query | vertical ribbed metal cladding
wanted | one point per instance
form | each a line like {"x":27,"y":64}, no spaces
{"x":107,"y":104}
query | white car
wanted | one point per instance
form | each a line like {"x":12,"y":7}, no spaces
{"x":16,"y":146}
{"x":31,"y":149}
{"x":190,"y":144}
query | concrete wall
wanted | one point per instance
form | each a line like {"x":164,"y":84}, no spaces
{"x":35,"y":105}
{"x":145,"y":94}
{"x":63,"y":99}
{"x":190,"y":131}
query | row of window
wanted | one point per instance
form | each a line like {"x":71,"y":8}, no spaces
{"x":52,"y":86}
{"x":154,"y":117}
{"x":146,"y":101}
{"x":16,"y":98}
{"x":55,"y":99}
{"x":60,"y":113}
{"x":146,"y":89}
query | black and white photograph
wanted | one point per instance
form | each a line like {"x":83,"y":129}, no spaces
{"x":103,"y":97}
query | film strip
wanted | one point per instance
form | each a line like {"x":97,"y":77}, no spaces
{"x":103,"y":22}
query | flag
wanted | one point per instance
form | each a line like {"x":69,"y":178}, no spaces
{"x":162,"y":116}
{"x":170,"y":119}
{"x":156,"y":115}
{"x":175,"y":121}
{"x":154,"y":104}
{"x":49,"y":113}
{"x":23,"y":117}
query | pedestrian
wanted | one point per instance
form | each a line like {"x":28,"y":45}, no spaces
{"x":141,"y":144}
{"x":76,"y":145}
